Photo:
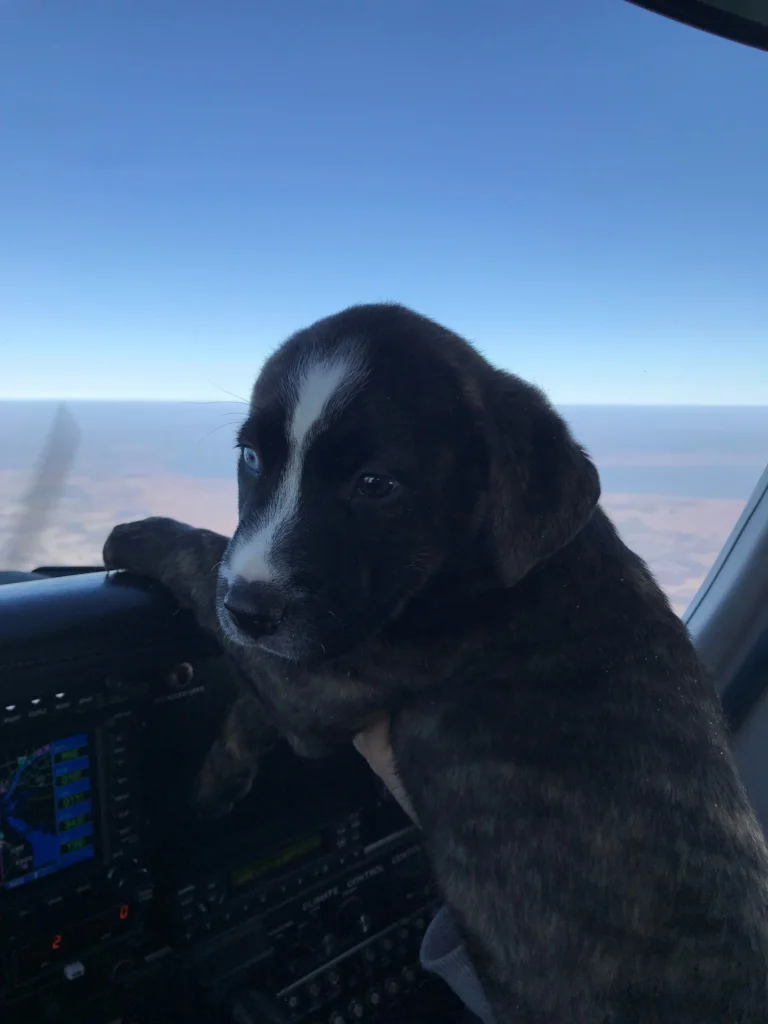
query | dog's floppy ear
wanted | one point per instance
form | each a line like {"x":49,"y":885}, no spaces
{"x":543,"y":487}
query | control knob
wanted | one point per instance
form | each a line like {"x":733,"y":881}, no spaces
{"x":128,"y":873}
{"x":353,"y":919}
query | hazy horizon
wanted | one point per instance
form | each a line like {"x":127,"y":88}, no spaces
{"x":675,"y":478}
{"x":91,"y":400}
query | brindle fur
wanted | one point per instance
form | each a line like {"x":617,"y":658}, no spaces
{"x":185,"y":561}
{"x":561,"y":743}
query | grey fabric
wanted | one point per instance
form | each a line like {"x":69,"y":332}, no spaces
{"x":443,"y":953}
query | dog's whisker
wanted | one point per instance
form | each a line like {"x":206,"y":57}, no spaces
{"x":214,"y":431}
{"x":212,"y":401}
{"x":224,"y":391}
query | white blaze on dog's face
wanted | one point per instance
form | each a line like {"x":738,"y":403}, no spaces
{"x":350,"y":489}
{"x":317,"y":387}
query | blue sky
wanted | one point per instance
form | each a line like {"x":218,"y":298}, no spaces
{"x":578,"y":187}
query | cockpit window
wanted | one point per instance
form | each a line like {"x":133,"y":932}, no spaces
{"x":577,"y":188}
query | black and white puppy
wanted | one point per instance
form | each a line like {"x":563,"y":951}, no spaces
{"x":420,"y":534}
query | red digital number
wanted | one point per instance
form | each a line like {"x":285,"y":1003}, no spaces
{"x":56,"y":944}
{"x":124,"y":912}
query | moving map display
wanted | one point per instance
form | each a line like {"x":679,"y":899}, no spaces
{"x":46,"y":814}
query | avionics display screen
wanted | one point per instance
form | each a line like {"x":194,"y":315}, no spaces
{"x":46,"y":809}
{"x":289,"y":856}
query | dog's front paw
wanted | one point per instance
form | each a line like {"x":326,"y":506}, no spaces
{"x":184,"y":559}
{"x":143,"y":547}
{"x":232,"y":763}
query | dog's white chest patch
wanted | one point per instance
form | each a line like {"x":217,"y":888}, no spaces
{"x":316,"y":389}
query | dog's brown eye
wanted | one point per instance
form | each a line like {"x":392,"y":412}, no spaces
{"x":370,"y":485}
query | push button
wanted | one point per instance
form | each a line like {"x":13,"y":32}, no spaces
{"x":374,"y":998}
{"x":392,"y":987}
{"x":74,"y":970}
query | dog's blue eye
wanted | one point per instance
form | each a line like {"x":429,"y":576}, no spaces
{"x":251,"y":459}
{"x":370,"y":485}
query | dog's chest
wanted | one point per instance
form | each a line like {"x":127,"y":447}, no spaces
{"x":322,"y":703}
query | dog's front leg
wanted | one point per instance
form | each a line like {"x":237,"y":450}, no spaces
{"x":183,"y":559}
{"x":232,"y":763}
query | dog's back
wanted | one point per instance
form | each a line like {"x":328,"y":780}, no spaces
{"x":625,"y":878}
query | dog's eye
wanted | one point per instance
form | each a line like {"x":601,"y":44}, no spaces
{"x":370,"y":485}
{"x":251,"y":459}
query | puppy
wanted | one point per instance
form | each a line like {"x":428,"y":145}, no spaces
{"x":419,"y":533}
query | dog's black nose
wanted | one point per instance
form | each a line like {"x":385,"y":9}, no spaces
{"x":257,"y":608}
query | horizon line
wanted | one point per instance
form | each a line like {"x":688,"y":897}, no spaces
{"x":240,"y":401}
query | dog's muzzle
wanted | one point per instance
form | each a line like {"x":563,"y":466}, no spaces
{"x":256,"y":609}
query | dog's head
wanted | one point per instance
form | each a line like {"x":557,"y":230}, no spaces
{"x":381,"y":453}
